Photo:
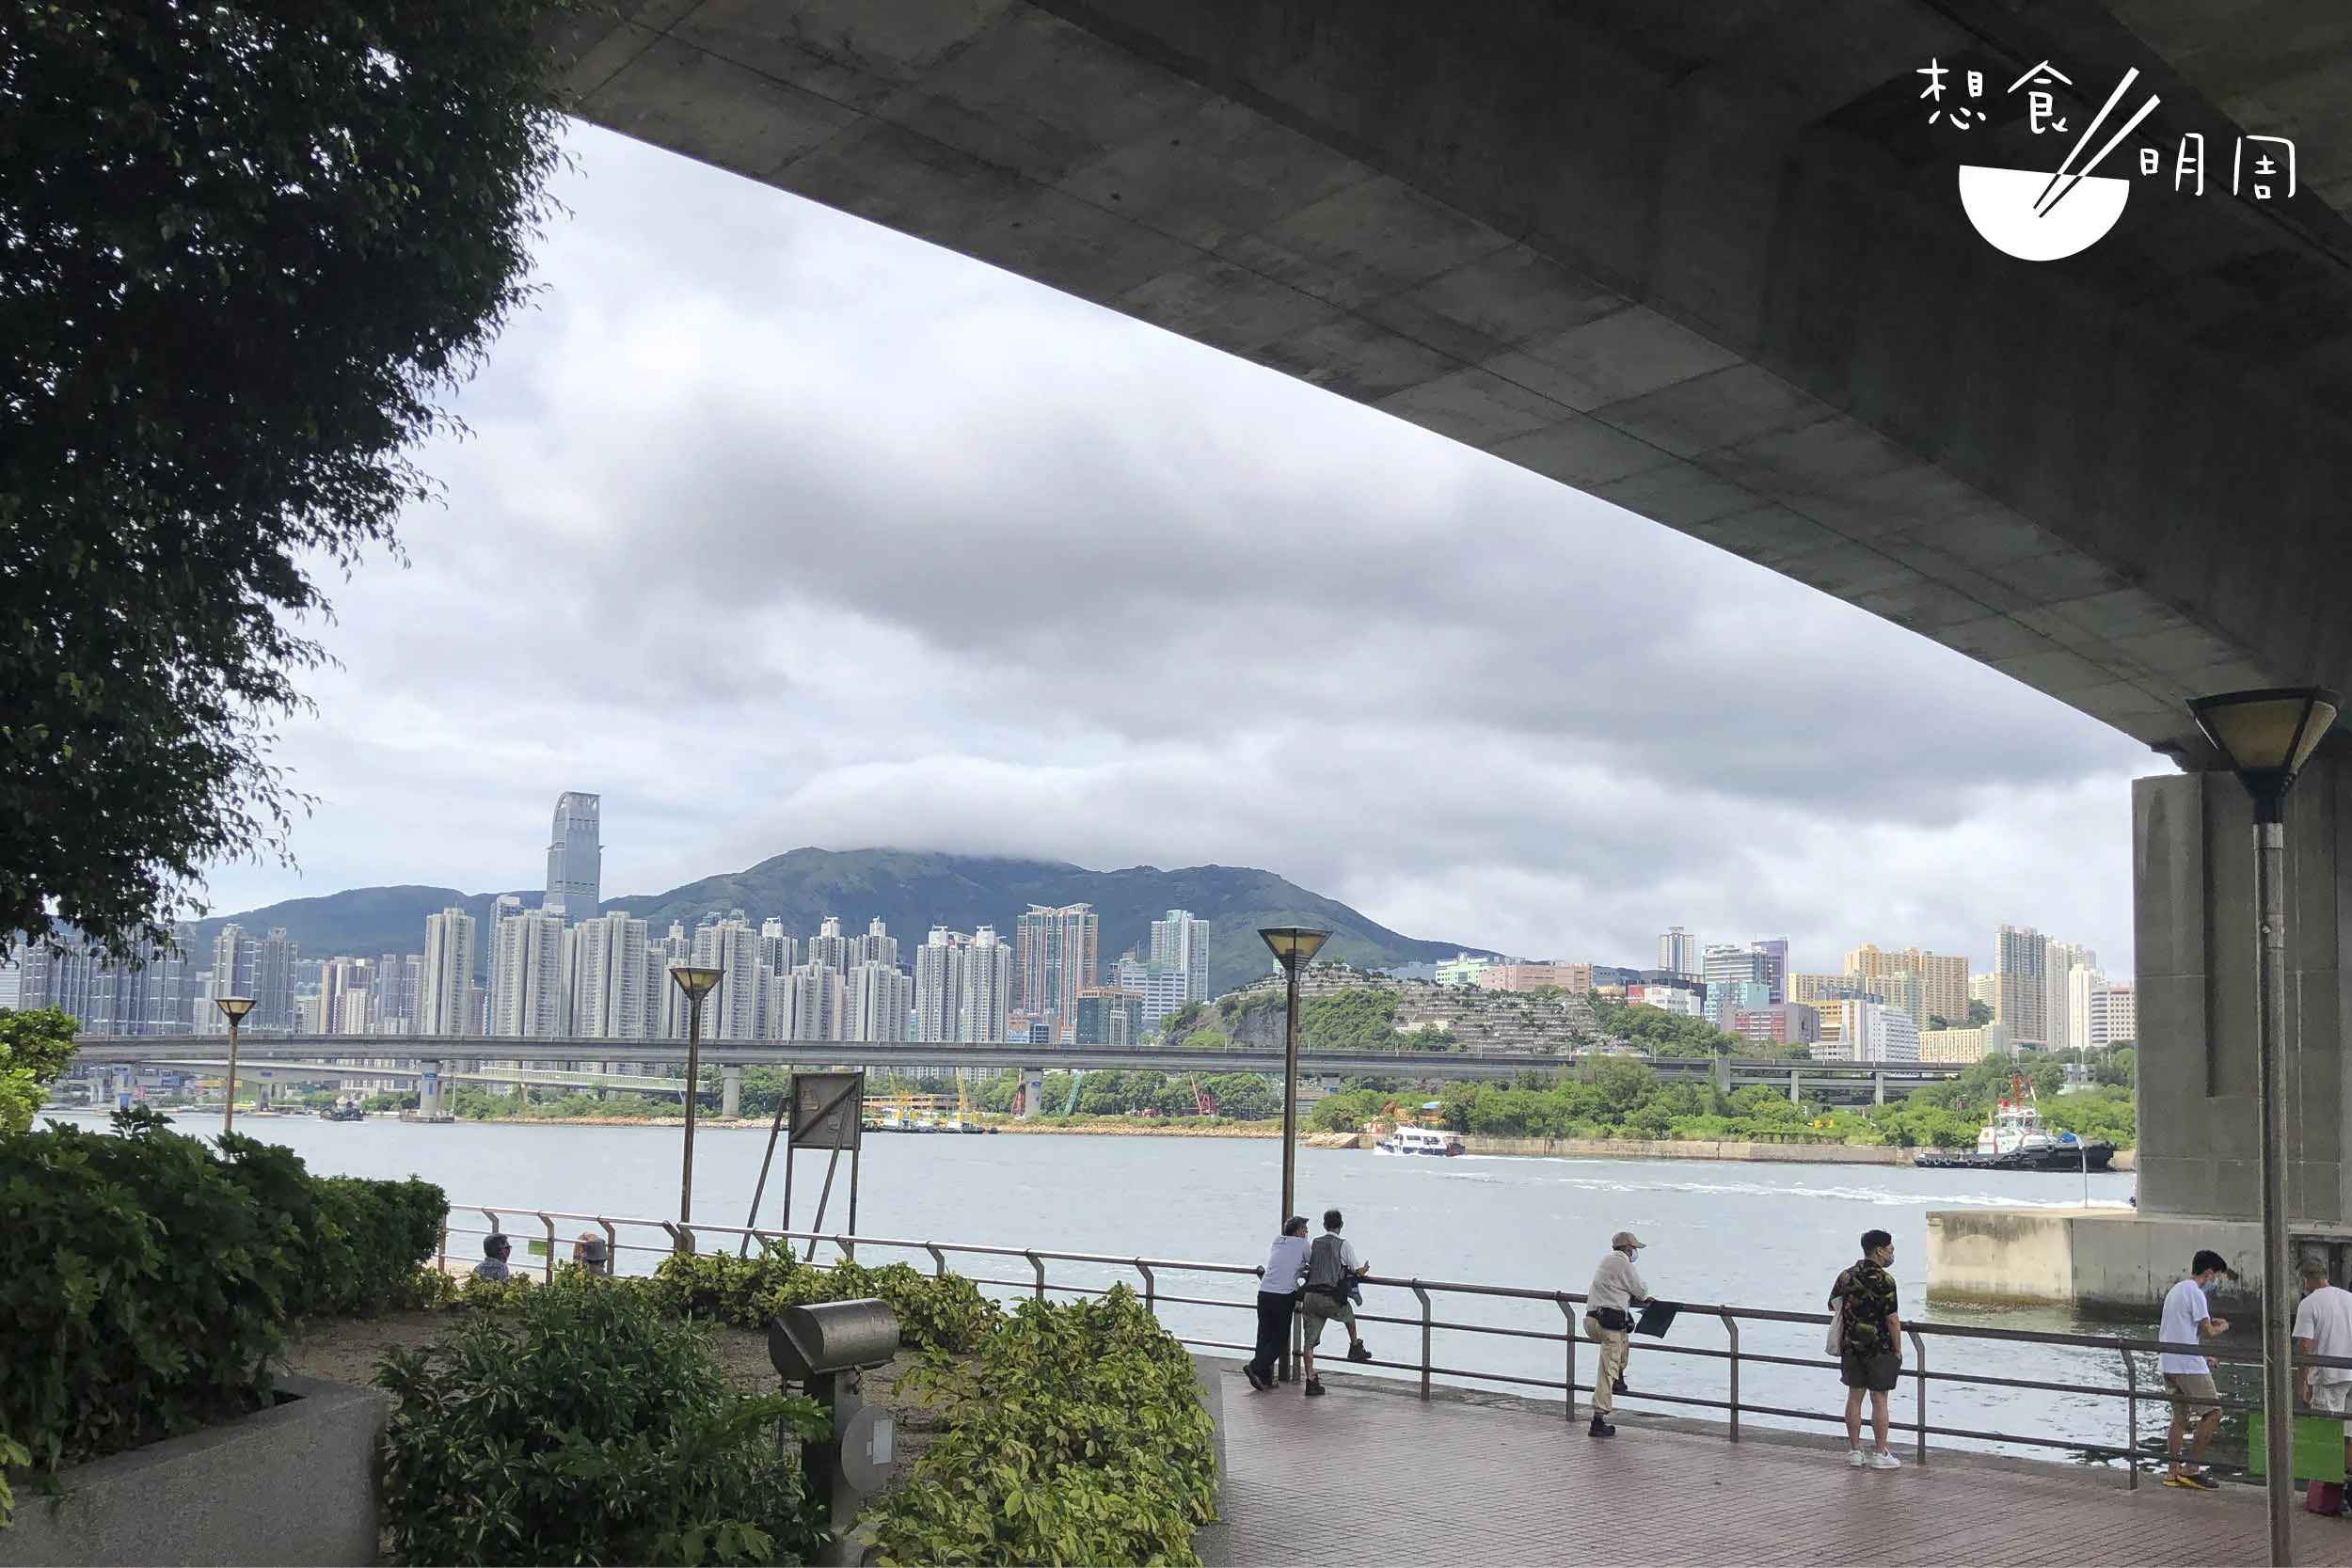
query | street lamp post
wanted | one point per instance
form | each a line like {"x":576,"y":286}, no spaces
{"x":2267,"y":735}
{"x":696,"y":983}
{"x":233,"y":1009}
{"x":1294,"y":946}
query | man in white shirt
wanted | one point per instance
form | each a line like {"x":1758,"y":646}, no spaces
{"x":1332,"y":1268}
{"x":2323,"y":1327}
{"x":2187,"y":1320}
{"x":1608,"y":1320}
{"x":1277,"y":1295}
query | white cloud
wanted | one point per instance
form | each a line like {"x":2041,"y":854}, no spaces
{"x":779,"y":529}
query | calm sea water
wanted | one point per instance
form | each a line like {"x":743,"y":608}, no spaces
{"x":1752,"y":1235}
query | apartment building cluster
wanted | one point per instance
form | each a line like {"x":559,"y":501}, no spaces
{"x":1885,"y":1005}
{"x":568,"y":968}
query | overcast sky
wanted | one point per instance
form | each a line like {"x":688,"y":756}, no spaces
{"x":778,"y":528}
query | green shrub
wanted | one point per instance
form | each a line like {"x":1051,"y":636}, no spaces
{"x":142,"y":1286}
{"x":11,"y":1453}
{"x":588,"y":1427}
{"x":144,"y":1278}
{"x":719,"y":1286}
{"x":1075,"y":1434}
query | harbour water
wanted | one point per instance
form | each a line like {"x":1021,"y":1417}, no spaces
{"x":1748,"y":1235}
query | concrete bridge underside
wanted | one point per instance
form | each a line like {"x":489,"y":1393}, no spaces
{"x":1708,"y":262}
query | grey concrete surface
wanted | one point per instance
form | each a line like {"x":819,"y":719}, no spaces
{"x":1706,"y":261}
{"x":1213,"y":1544}
{"x":2193,"y":872}
{"x":295,"y":1484}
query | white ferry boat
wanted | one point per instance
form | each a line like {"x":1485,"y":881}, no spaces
{"x":1419,"y":1140}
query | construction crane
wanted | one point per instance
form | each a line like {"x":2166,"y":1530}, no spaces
{"x":1071,"y":1105}
{"x":1203,"y":1102}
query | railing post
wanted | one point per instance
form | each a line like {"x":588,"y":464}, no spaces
{"x":1039,"y":1264}
{"x":1919,"y":1365}
{"x":1151,"y":1287}
{"x":1731,"y":1327}
{"x":1424,"y":1338}
{"x":549,"y":1275}
{"x":2131,"y":1414}
{"x":1567,"y":1310}
{"x":939,"y":1260}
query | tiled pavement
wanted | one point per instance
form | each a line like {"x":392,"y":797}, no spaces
{"x":1371,"y":1475}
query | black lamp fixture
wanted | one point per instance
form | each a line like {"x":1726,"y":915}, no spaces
{"x":2267,"y":735}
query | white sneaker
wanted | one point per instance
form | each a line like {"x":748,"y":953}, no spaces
{"x":1854,"y":1457}
{"x":1885,"y":1462}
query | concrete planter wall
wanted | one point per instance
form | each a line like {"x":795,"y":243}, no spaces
{"x":295,"y":1484}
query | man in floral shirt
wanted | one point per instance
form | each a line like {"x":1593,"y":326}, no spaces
{"x":1871,"y":1351}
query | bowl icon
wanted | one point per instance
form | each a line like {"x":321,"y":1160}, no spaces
{"x":2001,"y":202}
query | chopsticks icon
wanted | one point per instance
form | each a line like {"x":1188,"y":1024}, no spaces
{"x":2047,"y":200}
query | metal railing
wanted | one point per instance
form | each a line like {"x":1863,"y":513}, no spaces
{"x":1428,"y":1371}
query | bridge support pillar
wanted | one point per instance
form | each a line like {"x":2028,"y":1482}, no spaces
{"x":730,"y":1092}
{"x":429,"y":1090}
{"x":1878,"y":1088}
{"x":1796,"y":1087}
{"x":1032,"y":1090}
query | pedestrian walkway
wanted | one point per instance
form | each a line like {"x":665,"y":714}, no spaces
{"x":1369,"y":1474}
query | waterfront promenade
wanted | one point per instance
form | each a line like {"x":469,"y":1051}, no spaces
{"x":1370,"y":1475}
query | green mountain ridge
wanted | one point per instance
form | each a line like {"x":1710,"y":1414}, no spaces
{"x":911,"y":890}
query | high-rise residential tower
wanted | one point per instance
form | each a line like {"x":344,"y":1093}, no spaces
{"x":575,"y":857}
{"x":2020,"y":984}
{"x":1055,"y":959}
{"x":1678,"y":953}
{"x":877,"y":1002}
{"x":985,"y":1002}
{"x":732,"y":947}
{"x":445,"y":981}
{"x":605,"y":962}
{"x":526,"y":972}
{"x":1181,"y":943}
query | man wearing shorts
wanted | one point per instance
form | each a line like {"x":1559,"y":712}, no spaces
{"x":1332,"y":1266}
{"x":1871,"y":1349}
{"x":2323,"y":1327}
{"x":2187,"y":1377}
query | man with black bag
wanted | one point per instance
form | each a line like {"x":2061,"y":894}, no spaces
{"x":1332,"y":1271}
{"x":1608,"y":1320}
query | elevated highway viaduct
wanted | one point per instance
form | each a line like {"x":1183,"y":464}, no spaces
{"x":1708,"y":262}
{"x":591,"y":1063}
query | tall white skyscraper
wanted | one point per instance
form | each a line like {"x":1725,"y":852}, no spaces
{"x":939,"y":974}
{"x":878,"y":1001}
{"x":877,"y":947}
{"x":445,"y":983}
{"x":1182,"y":943}
{"x":985,"y":1004}
{"x":526,"y":973}
{"x":665,"y":1004}
{"x":346,"y":1004}
{"x":732,"y":947}
{"x":575,"y":857}
{"x":813,"y":1002}
{"x":1678,"y":953}
{"x":2060,"y":962}
{"x":830,"y":948}
{"x":606,"y":963}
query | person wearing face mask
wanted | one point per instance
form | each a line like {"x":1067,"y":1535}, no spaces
{"x":2187,"y":1320}
{"x":1609,"y":1318}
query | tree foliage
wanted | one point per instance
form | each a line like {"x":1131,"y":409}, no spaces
{"x":248,"y":247}
{"x":35,"y":1047}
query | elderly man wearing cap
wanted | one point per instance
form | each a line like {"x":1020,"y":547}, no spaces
{"x":1609,"y":1318}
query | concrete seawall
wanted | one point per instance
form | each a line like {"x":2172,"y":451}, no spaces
{"x":1674,"y":1148}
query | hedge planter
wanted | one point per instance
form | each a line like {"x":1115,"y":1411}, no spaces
{"x":295,"y":1483}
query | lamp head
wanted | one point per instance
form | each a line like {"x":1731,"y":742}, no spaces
{"x":2267,"y":735}
{"x":1293,"y":944}
{"x":695,"y":982}
{"x":233,"y":1006}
